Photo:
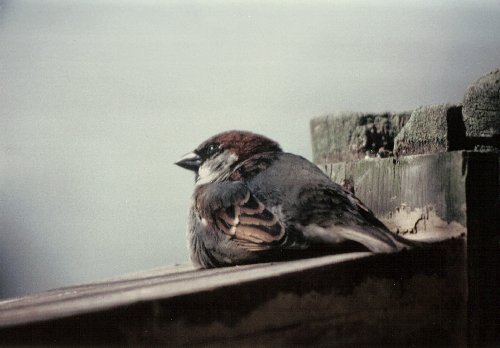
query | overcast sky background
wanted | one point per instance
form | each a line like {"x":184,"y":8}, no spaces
{"x":99,"y":98}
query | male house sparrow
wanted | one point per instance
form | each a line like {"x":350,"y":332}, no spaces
{"x":253,"y":202}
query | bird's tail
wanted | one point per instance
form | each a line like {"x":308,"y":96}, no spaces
{"x":378,"y":239}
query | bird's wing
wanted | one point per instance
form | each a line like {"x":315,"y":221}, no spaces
{"x":250,"y":223}
{"x":235,"y":211}
{"x":330,"y":214}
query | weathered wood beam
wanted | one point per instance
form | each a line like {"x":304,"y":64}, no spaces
{"x":413,"y":297}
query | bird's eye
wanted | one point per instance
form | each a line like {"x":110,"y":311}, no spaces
{"x":211,"y":148}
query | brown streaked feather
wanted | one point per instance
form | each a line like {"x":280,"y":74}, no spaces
{"x":223,"y":225}
{"x":228,"y":218}
{"x":264,"y":218}
{"x":252,"y":246}
{"x":250,"y":221}
{"x":252,"y":205}
{"x":232,"y":209}
{"x":259,"y":233}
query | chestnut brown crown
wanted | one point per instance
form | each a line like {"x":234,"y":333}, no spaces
{"x":242,"y":144}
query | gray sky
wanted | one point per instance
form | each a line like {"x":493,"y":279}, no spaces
{"x":99,"y":98}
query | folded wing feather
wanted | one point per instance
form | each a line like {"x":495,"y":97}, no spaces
{"x":251,"y":224}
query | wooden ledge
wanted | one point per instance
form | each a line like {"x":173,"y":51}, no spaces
{"x":388,"y":297}
{"x":162,"y":283}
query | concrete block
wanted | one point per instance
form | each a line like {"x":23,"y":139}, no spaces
{"x":481,"y":109}
{"x":345,"y":136}
{"x":431,"y":129}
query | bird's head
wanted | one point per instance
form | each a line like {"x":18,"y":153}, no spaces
{"x":215,"y":158}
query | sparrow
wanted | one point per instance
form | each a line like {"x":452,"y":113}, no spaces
{"x":253,"y":202}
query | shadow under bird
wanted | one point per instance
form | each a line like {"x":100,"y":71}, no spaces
{"x":253,"y":202}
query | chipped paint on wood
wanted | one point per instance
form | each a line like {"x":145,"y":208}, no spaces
{"x":421,"y":223}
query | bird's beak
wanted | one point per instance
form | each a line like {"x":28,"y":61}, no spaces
{"x":191,"y":161}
